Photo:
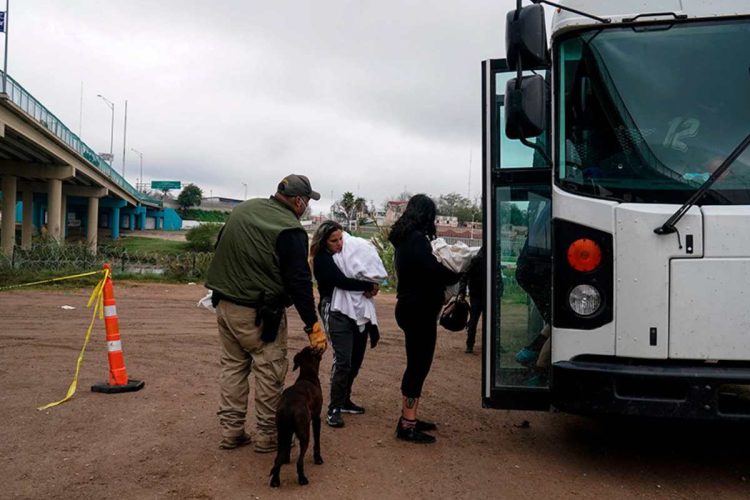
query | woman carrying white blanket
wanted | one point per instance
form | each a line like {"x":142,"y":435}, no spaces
{"x":348,"y":324}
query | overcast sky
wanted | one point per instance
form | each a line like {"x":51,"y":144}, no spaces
{"x":373,"y":97}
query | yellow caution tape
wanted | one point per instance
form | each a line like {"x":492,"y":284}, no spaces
{"x":97,"y":298}
{"x":73,"y":276}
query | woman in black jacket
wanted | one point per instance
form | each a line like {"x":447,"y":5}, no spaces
{"x":347,"y":339}
{"x":421,"y":287}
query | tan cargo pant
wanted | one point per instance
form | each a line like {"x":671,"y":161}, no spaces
{"x":243,"y":353}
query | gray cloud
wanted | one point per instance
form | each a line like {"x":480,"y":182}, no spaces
{"x":363,"y":96}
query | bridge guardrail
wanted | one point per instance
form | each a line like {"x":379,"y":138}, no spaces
{"x":28,"y":103}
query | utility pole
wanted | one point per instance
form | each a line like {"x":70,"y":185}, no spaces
{"x":124,"y":139}
{"x":5,"y":59}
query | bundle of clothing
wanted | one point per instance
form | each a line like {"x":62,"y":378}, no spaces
{"x":456,"y":257}
{"x":359,"y":260}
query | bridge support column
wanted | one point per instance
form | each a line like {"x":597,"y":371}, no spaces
{"x":115,"y":222}
{"x":27,"y":225}
{"x":54,"y":208}
{"x":131,"y":222}
{"x":63,"y":218}
{"x":8,"y":227}
{"x":142,"y":218}
{"x":92,"y":224}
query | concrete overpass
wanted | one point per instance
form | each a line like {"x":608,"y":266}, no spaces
{"x":58,"y":179}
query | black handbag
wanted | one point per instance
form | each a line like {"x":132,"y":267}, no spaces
{"x":455,"y":314}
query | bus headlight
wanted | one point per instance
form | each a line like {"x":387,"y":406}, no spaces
{"x":584,"y":300}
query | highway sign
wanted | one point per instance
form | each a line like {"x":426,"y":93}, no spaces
{"x":164,"y":185}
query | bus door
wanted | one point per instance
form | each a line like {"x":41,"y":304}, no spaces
{"x":517,"y":211}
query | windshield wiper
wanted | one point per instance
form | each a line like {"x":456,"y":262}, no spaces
{"x":669,"y":226}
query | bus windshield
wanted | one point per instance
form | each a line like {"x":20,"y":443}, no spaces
{"x":646,"y":114}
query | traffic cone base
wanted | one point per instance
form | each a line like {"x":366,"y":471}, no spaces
{"x":130,"y":386}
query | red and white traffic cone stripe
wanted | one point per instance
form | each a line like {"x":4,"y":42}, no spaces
{"x":118,"y":375}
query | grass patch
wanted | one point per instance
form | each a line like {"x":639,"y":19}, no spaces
{"x":136,"y":244}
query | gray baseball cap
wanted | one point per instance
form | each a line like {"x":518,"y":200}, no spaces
{"x":297,"y":185}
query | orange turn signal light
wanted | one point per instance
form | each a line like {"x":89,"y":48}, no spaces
{"x":584,"y":255}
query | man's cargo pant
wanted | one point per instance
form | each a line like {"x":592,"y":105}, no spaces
{"x":243,"y":353}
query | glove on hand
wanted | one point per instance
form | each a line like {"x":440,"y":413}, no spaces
{"x":317,"y":337}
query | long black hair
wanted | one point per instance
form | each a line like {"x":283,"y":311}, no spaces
{"x":419,"y":216}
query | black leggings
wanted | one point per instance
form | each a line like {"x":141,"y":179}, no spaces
{"x":419,"y":323}
{"x":349,"y":346}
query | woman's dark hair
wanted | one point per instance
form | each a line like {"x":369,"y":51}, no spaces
{"x":324,"y":231}
{"x":419,"y":216}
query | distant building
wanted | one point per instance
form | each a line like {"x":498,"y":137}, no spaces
{"x":446,"y":220}
{"x":393,"y":210}
{"x":219,"y":203}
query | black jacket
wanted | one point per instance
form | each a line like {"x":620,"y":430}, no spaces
{"x":421,"y":278}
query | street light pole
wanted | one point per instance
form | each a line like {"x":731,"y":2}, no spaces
{"x":112,"y":128}
{"x":5,"y":59}
{"x":124,"y":137}
{"x":140,"y":178}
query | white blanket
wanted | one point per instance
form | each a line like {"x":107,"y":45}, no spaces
{"x":358,"y":259}
{"x":455,"y":257}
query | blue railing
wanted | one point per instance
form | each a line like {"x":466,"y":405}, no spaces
{"x":24,"y":100}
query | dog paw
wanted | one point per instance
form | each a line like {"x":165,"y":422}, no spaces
{"x":302,"y":480}
{"x":318,"y":460}
{"x":275,"y":482}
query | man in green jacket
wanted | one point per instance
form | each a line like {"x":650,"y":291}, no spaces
{"x":258,"y":270}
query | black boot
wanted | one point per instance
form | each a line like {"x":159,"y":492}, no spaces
{"x":411,"y":433}
{"x":424,"y":426}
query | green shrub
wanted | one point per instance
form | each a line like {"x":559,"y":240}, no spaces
{"x":202,"y":238}
{"x":386,"y":253}
{"x":204,"y":215}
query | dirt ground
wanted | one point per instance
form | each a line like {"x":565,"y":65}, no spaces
{"x":162,"y":441}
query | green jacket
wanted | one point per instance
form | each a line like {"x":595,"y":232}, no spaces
{"x":245,"y":266}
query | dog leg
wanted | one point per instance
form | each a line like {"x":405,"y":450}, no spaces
{"x":304,"y":440}
{"x":275,"y":479}
{"x":316,"y":440}
{"x":285,"y":443}
{"x":283,"y":450}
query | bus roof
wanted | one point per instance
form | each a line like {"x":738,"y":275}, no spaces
{"x":617,"y":10}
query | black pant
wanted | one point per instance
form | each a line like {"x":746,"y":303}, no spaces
{"x":349,"y":346}
{"x":419,"y":323}
{"x":477,"y":307}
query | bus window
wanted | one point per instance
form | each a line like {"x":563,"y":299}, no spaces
{"x":523,"y":286}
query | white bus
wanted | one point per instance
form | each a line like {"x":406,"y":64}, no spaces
{"x":617,"y":210}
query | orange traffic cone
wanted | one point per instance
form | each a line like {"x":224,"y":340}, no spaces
{"x":118,"y":376}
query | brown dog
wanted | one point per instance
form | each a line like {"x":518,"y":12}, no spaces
{"x":300,"y":405}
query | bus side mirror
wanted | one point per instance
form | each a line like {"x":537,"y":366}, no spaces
{"x":526,"y":38}
{"x":525,"y":107}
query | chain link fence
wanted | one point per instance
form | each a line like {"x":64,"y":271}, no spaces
{"x":46,"y":258}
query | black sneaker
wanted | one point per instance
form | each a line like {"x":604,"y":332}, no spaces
{"x":334,"y":418}
{"x":413,"y":435}
{"x":352,"y":408}
{"x":469,"y":349}
{"x":423,"y":426}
